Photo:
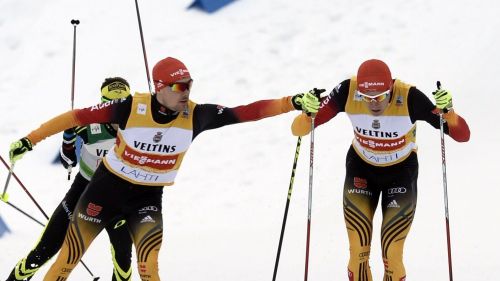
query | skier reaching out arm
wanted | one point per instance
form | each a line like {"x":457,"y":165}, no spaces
{"x":382,"y":159}
{"x":206,"y":116}
{"x":154,"y":133}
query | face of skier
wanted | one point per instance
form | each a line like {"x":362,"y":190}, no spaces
{"x":176,"y":95}
{"x":376,"y":102}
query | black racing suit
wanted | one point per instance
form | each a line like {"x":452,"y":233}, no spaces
{"x":53,"y":235}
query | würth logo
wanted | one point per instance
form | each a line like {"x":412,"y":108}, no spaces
{"x":93,"y":209}
{"x":360,"y":182}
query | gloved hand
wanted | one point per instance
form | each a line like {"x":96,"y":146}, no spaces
{"x":443,"y":99}
{"x":19,"y":148}
{"x":67,"y":156}
{"x":308,"y":102}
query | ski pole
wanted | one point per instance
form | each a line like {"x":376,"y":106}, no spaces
{"x":143,"y":47}
{"x":40,"y":208}
{"x":4,"y":195}
{"x":24,"y":213}
{"x":24,"y":188}
{"x":290,"y":188}
{"x":309,"y":201}
{"x":74,"y":23}
{"x":445,"y":188}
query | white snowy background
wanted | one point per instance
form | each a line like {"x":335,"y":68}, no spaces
{"x":223,"y":216}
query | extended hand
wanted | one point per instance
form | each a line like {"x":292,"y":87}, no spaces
{"x":19,"y":148}
{"x":443,"y":99}
{"x":308,"y":102}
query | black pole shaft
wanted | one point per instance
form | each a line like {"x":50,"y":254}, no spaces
{"x":143,"y":47}
{"x":24,"y":188}
{"x":289,"y":196}
{"x":445,"y":188}
{"x":74,"y":23}
{"x":9,"y":176}
{"x":24,"y":213}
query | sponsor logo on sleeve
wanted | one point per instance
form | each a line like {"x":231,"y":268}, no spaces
{"x":220,"y":109}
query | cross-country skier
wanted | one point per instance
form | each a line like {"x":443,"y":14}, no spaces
{"x":97,"y":140}
{"x":155,"y":132}
{"x":382,"y":158}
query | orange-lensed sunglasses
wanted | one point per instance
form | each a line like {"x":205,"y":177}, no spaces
{"x":181,"y":86}
{"x":178,"y":87}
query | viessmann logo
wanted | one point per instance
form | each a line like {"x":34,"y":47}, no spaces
{"x":370,"y":84}
{"x":179,"y":72}
{"x":380,"y":144}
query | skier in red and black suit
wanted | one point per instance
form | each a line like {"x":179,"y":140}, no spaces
{"x":382,"y":159}
{"x":154,"y":134}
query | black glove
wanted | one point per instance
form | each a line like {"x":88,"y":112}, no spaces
{"x":67,"y":155}
{"x":19,"y":148}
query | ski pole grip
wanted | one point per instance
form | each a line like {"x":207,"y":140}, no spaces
{"x":438,"y":84}
{"x":75,"y":22}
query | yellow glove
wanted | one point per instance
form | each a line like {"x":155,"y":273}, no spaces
{"x":308,"y":102}
{"x":443,"y":99}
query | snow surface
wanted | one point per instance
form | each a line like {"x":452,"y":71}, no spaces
{"x":223,"y":217}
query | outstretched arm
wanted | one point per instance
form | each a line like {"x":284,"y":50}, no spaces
{"x":109,"y":112}
{"x":212,"y":116}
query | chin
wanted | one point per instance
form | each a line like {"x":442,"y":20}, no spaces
{"x":180,"y":107}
